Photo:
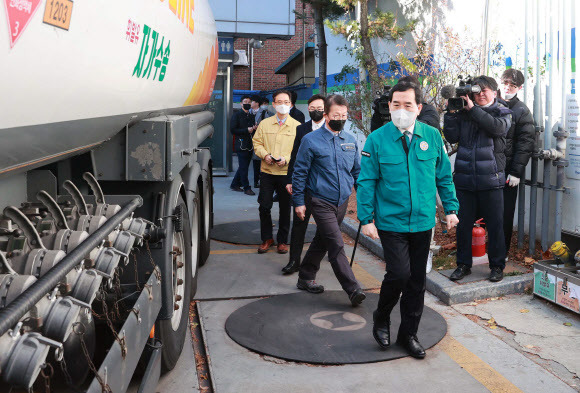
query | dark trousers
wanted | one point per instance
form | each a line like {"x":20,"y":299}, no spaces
{"x":510,"y":196}
{"x":269,"y":184}
{"x":241,"y":176}
{"x":328,"y":238}
{"x":406,"y":259}
{"x":257,"y":164}
{"x":473,"y":205}
{"x":299,"y":228}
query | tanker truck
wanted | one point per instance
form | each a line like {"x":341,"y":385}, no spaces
{"x":105,"y":192}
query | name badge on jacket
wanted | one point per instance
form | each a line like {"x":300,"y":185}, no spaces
{"x":348,"y":146}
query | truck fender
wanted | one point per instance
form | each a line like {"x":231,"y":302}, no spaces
{"x":164,"y":264}
{"x":203,"y":159}
{"x":190,"y":175}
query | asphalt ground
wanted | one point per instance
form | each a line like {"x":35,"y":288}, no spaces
{"x":512,"y":344}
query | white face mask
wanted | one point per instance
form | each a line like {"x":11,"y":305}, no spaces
{"x":403,"y":119}
{"x":264,"y":107}
{"x":283,"y":109}
{"x":509,"y":96}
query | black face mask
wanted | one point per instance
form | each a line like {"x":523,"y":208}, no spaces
{"x":246,"y":106}
{"x":336,"y":125}
{"x":316,"y":116}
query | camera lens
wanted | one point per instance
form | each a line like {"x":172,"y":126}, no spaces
{"x":476,"y":89}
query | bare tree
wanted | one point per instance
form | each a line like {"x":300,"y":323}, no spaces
{"x":323,"y":10}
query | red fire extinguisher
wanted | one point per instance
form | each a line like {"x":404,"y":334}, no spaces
{"x":478,"y":239}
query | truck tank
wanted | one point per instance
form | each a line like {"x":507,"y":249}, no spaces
{"x":74,"y":74}
{"x":106,"y":197}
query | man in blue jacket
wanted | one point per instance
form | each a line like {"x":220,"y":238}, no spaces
{"x":403,"y":166}
{"x":480,"y":129}
{"x":326,"y":169}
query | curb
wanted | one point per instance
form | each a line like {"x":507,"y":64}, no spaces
{"x":448,"y":291}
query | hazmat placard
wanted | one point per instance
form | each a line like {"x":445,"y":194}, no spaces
{"x":544,"y":284}
{"x":567,"y":294}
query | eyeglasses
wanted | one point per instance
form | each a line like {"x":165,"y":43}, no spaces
{"x":282,"y":102}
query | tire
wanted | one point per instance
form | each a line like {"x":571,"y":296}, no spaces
{"x":207,"y":210}
{"x":172,"y":332}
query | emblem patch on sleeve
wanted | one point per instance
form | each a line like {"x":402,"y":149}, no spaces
{"x":364,"y":153}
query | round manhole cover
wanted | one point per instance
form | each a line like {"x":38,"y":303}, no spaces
{"x":322,"y":328}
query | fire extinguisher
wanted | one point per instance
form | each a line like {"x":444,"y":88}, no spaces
{"x":478,"y":239}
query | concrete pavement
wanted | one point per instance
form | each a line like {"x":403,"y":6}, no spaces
{"x":471,"y":358}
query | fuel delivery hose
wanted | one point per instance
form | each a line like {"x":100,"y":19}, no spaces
{"x":11,"y":314}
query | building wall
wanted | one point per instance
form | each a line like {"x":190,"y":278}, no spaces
{"x":270,"y":56}
{"x":295,"y":74}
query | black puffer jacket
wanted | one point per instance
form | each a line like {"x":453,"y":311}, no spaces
{"x":241,"y":120}
{"x":480,"y":161}
{"x":520,"y":139}
{"x":429,"y":115}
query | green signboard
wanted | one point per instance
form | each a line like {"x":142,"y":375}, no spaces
{"x":545,"y":285}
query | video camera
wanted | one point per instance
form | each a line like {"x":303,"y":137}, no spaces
{"x":381,"y":112}
{"x":465,"y":87}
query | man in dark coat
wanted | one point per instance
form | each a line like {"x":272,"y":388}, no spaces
{"x":520,"y":143}
{"x":480,"y":128}
{"x":242,"y":126}
{"x":299,"y":227}
{"x":296,"y":113}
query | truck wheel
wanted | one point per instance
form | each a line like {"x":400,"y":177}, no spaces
{"x":207,"y":224}
{"x":172,"y":331}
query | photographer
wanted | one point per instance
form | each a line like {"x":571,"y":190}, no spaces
{"x":519,"y":146}
{"x":480,"y":128}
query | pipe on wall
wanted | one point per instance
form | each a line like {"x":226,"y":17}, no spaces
{"x":522,"y":187}
{"x":561,"y":134}
{"x":546,"y":193}
{"x":538,"y":121}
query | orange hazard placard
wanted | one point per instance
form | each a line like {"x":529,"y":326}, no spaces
{"x":58,"y":13}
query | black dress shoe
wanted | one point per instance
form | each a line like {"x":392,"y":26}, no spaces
{"x":496,"y":274}
{"x":249,"y":192}
{"x":291,"y":267}
{"x":309,"y":285}
{"x":382,"y":331}
{"x":357,"y":297}
{"x":460,"y":272}
{"x":412,"y":345}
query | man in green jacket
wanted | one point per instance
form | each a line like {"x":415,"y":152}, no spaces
{"x":403,"y":166}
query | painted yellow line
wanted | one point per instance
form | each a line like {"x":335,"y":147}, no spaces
{"x":240,"y":251}
{"x":365,"y":278}
{"x":481,"y":371}
{"x":244,"y":251}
